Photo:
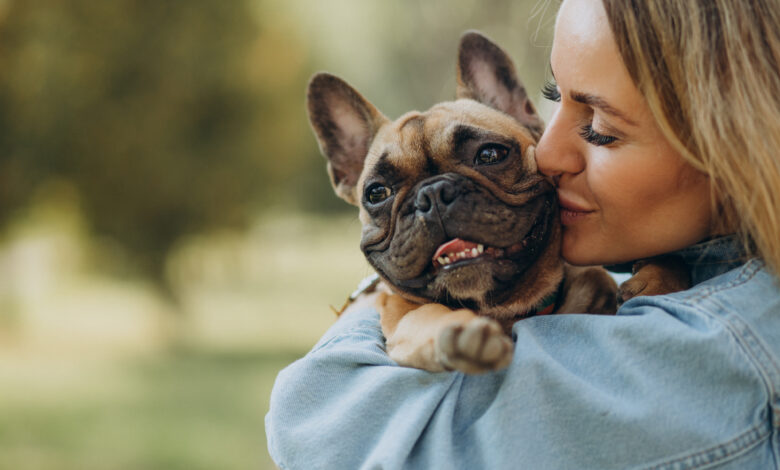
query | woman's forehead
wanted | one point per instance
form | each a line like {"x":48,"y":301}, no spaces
{"x":583,"y":37}
{"x":582,"y":21}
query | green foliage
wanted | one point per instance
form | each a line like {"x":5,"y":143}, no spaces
{"x":153,"y":109}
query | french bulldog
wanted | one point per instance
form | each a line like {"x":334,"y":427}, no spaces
{"x":459,"y":225}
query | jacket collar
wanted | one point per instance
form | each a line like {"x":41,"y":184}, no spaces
{"x":713,"y":257}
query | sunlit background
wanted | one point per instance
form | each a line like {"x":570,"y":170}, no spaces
{"x":168,"y":236}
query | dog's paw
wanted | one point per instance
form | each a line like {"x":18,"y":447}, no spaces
{"x":655,"y":276}
{"x":479,"y":345}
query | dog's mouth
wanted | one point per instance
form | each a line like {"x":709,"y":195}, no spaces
{"x":469,"y":259}
{"x":463,"y":270}
{"x":458,"y":252}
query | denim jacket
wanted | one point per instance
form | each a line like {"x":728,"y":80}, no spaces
{"x":680,"y":381}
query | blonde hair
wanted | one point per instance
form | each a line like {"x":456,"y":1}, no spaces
{"x":709,"y":71}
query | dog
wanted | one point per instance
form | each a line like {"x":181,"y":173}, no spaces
{"x":460,"y":227}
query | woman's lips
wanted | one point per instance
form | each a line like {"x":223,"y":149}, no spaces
{"x":572,"y":212}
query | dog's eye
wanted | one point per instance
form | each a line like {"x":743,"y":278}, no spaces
{"x":490,"y":154}
{"x":377,"y":193}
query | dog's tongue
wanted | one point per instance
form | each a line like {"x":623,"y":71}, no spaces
{"x":454,"y":246}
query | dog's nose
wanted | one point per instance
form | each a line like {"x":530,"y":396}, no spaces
{"x":440,"y":192}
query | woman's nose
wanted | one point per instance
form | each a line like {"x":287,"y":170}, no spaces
{"x":558,"y":151}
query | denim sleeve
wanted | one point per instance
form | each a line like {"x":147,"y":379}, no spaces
{"x":663,"y":385}
{"x":346,"y":393}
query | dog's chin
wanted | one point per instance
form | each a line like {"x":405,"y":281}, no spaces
{"x":472,"y":281}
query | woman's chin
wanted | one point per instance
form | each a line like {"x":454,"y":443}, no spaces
{"x":583,"y":252}
{"x":578,"y":251}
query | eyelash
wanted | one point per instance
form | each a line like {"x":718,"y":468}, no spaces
{"x":550,"y":92}
{"x":593,"y":137}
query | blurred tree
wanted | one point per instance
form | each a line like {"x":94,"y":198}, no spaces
{"x":153,"y":109}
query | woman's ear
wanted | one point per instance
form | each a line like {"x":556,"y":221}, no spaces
{"x":486,"y":74}
{"x":345,"y":124}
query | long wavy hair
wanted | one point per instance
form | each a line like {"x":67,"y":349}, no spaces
{"x":710,"y":71}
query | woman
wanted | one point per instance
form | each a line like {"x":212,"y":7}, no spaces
{"x":664,"y":141}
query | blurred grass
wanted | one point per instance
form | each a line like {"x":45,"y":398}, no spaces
{"x":189,"y":410}
{"x":97,"y":371}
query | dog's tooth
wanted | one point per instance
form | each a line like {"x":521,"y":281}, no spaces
{"x":480,"y":248}
{"x":441,"y":260}
{"x":474,"y":252}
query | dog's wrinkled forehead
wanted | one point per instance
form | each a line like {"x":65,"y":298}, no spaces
{"x":427,"y":143}
{"x":400,"y":146}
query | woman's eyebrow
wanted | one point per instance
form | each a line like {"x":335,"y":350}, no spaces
{"x":600,"y":103}
{"x":596,"y":102}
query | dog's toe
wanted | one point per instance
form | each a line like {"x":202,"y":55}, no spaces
{"x":477,"y":346}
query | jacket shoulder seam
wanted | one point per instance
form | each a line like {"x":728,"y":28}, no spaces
{"x":747,"y":272}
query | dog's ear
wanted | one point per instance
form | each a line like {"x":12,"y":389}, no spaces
{"x":486,"y":74}
{"x":345,"y":124}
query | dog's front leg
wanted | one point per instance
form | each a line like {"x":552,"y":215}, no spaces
{"x":655,"y":276}
{"x":435,"y":338}
{"x":588,"y":290}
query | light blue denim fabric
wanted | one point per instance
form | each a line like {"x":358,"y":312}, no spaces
{"x":681,"y":381}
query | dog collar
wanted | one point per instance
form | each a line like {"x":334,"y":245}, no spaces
{"x":366,"y":286}
{"x":545,"y":306}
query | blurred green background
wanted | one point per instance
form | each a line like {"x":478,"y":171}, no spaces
{"x":168,"y":236}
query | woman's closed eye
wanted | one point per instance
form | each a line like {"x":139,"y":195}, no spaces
{"x":593,"y":137}
{"x":550,"y":92}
